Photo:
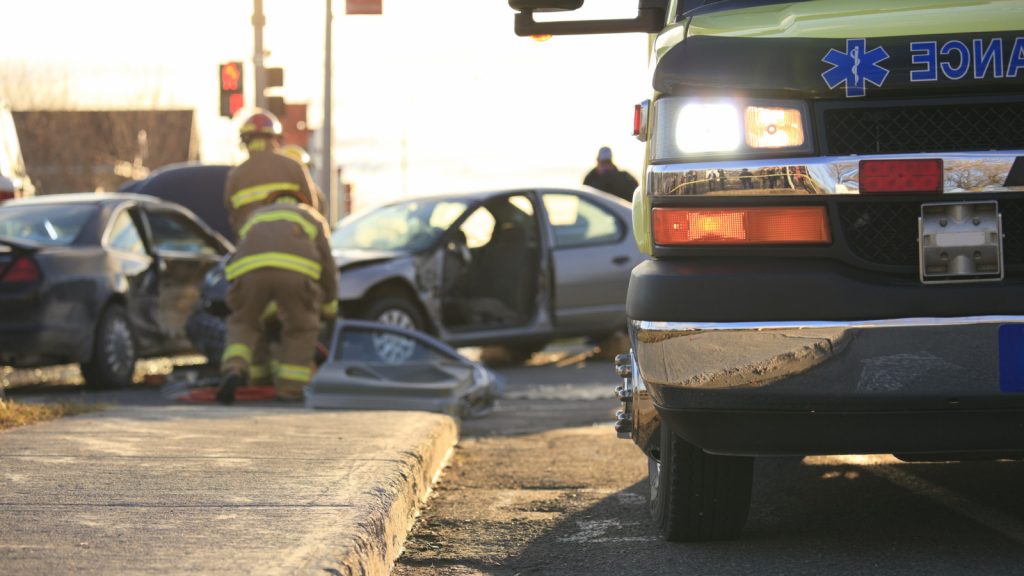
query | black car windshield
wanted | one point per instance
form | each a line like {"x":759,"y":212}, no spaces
{"x":403,"y":227}
{"x":50,"y":224}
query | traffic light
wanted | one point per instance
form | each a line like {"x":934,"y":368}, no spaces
{"x":274,"y":78}
{"x":232,"y":97}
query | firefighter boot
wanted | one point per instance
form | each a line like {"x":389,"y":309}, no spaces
{"x":229,"y":383}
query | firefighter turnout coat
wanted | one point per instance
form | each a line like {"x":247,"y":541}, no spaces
{"x":252,"y":182}
{"x":283,"y":259}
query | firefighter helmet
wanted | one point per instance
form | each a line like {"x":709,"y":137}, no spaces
{"x":297,"y":153}
{"x":261,"y":124}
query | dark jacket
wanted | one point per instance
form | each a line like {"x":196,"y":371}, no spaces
{"x":613,"y":181}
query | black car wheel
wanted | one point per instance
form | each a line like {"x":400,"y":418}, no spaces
{"x":695,"y":495}
{"x":113,"y":355}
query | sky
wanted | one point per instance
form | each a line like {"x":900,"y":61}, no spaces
{"x":429,"y":97}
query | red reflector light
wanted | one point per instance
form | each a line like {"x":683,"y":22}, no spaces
{"x":901,"y":176}
{"x":5,"y":195}
{"x":22,"y":270}
{"x":638,"y":115}
{"x":717,"y":226}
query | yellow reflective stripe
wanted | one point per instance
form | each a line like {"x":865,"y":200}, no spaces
{"x":270,"y":311}
{"x":260,"y":192}
{"x":273,"y":260}
{"x":237,"y":351}
{"x":294,"y":372}
{"x":279,"y":216}
{"x":330,"y":308}
{"x":258,"y":372}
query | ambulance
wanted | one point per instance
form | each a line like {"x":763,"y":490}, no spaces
{"x":832,"y":204}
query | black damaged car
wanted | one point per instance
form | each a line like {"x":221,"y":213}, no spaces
{"x":99,"y":279}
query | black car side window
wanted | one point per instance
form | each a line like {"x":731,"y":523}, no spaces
{"x":123,"y":235}
{"x":173,"y":232}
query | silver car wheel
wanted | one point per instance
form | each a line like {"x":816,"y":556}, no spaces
{"x":397,"y":317}
{"x":394,"y":348}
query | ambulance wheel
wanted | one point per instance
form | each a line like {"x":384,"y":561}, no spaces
{"x":695,"y":495}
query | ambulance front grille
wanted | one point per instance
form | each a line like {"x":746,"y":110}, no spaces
{"x":885,"y":232}
{"x":924,"y":128}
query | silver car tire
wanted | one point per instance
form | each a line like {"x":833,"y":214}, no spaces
{"x":394,"y":348}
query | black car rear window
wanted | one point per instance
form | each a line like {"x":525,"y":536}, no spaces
{"x":51,"y":224}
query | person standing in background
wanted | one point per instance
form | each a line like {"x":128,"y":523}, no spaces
{"x":607,"y":177}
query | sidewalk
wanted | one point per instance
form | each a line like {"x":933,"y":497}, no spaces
{"x":216,"y":490}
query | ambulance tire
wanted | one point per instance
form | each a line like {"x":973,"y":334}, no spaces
{"x":696,"y":496}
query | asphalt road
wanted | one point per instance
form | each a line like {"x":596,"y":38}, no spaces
{"x":543,"y":486}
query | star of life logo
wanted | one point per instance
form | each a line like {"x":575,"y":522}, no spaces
{"x":855,"y":68}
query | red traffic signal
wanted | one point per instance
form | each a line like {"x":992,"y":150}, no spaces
{"x":232,"y":95}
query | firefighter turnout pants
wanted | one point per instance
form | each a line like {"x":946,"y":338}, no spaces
{"x":297,"y":297}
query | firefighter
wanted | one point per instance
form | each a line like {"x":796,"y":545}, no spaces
{"x":283,"y":257}
{"x":251,"y":183}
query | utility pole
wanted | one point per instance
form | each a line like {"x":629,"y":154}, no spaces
{"x":327,"y":183}
{"x":257,"y":58}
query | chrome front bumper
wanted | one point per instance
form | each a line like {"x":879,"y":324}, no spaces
{"x":833,"y":386}
{"x":919,"y":357}
{"x":964,"y":173}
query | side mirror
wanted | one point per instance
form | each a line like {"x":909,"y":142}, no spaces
{"x":650,"y":18}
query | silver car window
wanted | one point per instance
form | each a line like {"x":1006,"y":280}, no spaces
{"x":406,"y":226}
{"x":577,"y":221}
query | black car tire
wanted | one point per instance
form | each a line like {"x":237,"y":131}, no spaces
{"x":113,"y":351}
{"x":698,"y":496}
{"x":396,"y":312}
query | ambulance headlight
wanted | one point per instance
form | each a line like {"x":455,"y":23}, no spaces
{"x":685,"y":128}
{"x":708,"y":127}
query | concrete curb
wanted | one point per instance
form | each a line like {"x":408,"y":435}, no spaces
{"x":390,"y":509}
{"x":217,"y":490}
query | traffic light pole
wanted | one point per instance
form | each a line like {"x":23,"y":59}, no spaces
{"x":327,"y":181}
{"x":257,"y":58}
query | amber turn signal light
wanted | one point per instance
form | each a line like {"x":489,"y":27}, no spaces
{"x":730,"y":226}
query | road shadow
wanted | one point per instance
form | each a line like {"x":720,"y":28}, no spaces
{"x":561,"y":387}
{"x":810,"y":517}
